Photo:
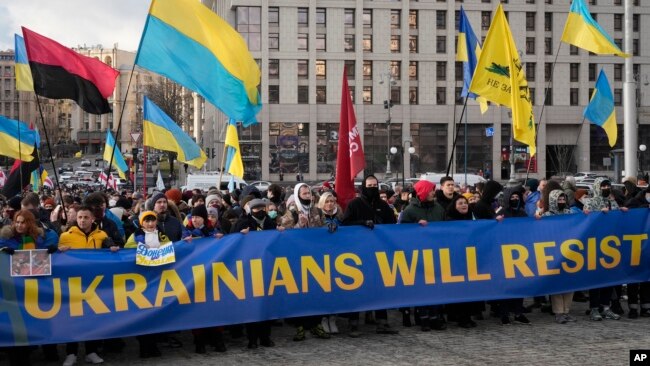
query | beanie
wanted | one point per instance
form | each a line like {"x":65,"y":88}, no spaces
{"x":532,"y":183}
{"x":211,"y":198}
{"x":156,"y":196}
{"x":49,"y":201}
{"x":174,"y":194}
{"x":467,"y":195}
{"x":14,"y":202}
{"x":200,"y":211}
{"x":213,"y":212}
{"x":579,"y":193}
{"x":422,"y":189}
{"x":146,"y":214}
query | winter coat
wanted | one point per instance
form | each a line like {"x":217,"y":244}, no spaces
{"x":417,"y":210}
{"x":531,"y":203}
{"x":249,"y":222}
{"x":172,"y":227}
{"x":506,"y":210}
{"x":42,"y":241}
{"x":442,"y":200}
{"x":138,"y":237}
{"x":360,"y":210}
{"x":77,"y":239}
{"x":483,"y":208}
{"x":598,"y":202}
{"x":552,"y":204}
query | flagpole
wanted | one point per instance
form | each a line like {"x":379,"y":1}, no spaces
{"x":119,"y":127}
{"x":453,"y":131}
{"x":541,"y":113}
{"x":20,"y":154}
{"x":49,"y":148}
{"x":223,"y":159}
{"x":453,"y":148}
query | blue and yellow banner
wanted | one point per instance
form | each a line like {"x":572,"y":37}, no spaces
{"x":97,"y":294}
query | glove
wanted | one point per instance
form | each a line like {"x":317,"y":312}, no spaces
{"x":369,"y":224}
{"x":108,"y":242}
{"x":52,"y":249}
{"x":331,"y":227}
{"x":8,"y":250}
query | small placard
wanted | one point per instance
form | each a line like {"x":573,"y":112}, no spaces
{"x":27,"y":263}
{"x":145,"y":256}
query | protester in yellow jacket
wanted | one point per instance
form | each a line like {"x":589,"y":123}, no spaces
{"x":85,"y":234}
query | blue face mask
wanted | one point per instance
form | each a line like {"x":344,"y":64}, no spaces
{"x":273,"y":214}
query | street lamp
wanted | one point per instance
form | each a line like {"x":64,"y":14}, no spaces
{"x":395,"y":149}
{"x":642,"y":149}
{"x":388,"y":104}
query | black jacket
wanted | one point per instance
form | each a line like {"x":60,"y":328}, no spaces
{"x":360,"y":210}
{"x":483,"y":208}
{"x":247,"y":221}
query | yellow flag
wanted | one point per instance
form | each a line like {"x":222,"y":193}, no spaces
{"x":500,"y":78}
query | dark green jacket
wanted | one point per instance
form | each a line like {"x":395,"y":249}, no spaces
{"x":415,"y":212}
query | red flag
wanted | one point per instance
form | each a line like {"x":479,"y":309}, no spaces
{"x":349,"y":158}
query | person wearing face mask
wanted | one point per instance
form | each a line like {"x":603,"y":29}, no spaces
{"x":274,"y":194}
{"x":513,"y":204}
{"x":368,"y":210}
{"x":641,"y":199}
{"x":602,"y":199}
{"x":306,"y":213}
{"x":579,"y":200}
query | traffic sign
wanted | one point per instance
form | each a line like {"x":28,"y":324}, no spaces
{"x":489,"y":132}
{"x":136,"y":136}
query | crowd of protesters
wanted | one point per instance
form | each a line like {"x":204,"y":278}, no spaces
{"x":120,"y":220}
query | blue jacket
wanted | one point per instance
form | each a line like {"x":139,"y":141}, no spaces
{"x":531,"y":203}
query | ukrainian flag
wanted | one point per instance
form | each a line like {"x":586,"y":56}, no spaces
{"x":188,"y":43}
{"x":581,"y":30}
{"x":24,"y":80}
{"x":234,"y":164}
{"x":17,"y":140}
{"x":162,"y":133}
{"x":118,"y":160}
{"x":468,"y":51}
{"x":600,"y":110}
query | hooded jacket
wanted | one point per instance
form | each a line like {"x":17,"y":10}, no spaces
{"x":363,"y":208}
{"x":452,"y":214}
{"x":506,"y":210}
{"x":598,"y":202}
{"x":553,"y":206}
{"x":483,"y":208}
{"x":291,"y":219}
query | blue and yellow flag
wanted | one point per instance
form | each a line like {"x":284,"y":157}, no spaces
{"x":581,"y":30}
{"x":118,"y":160}
{"x":467,"y":51}
{"x":188,"y":43}
{"x":234,"y":164}
{"x":24,"y":80}
{"x":600,"y":110}
{"x":500,"y":78}
{"x":161,"y":132}
{"x":17,"y":140}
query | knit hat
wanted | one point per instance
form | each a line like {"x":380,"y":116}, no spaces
{"x":532,"y":183}
{"x":146,"y":214}
{"x":257,"y":202}
{"x":422,"y":189}
{"x":174,"y":194}
{"x":467,"y":195}
{"x":49,"y":201}
{"x":210,"y":198}
{"x":579,"y":194}
{"x":155,"y":197}
{"x":137,"y":196}
{"x":326,"y":184}
{"x":200,"y":211}
{"x":213,"y":212}
{"x":14,"y":202}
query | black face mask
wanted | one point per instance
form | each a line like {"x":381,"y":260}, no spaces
{"x":606,"y":192}
{"x":514,"y":204}
{"x":561,"y":206}
{"x":371,"y":192}
{"x":259,"y":214}
{"x":304,"y":203}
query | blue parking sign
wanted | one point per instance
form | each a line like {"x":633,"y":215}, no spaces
{"x":489,"y":132}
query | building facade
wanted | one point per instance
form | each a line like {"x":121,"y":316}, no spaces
{"x":404,"y":51}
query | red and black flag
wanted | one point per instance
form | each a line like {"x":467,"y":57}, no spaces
{"x":17,"y":181}
{"x":61,"y":73}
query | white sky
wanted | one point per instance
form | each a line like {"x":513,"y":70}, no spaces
{"x":76,"y":22}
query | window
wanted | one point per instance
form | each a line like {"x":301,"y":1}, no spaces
{"x":396,"y":95}
{"x":441,"y":19}
{"x":530,"y":21}
{"x":413,"y":44}
{"x":618,"y":22}
{"x":458,"y":70}
{"x":367,"y":70}
{"x":350,"y":67}
{"x":441,"y":95}
{"x":530,"y":45}
{"x":593,"y":2}
{"x":303,"y":69}
{"x":396,"y":69}
{"x":548,"y":1}
{"x":618,"y":2}
{"x":274,"y":69}
{"x":274,"y":42}
{"x":618,"y":97}
{"x":530,"y":71}
{"x":274,"y":94}
{"x":249,"y":25}
{"x":548,"y":71}
{"x":413,"y":70}
{"x":635,"y":22}
{"x":321,"y":42}
{"x":457,"y":19}
{"x":367,"y":43}
{"x":618,"y":72}
{"x":303,"y":42}
{"x":394,"y":43}
{"x":395,"y":18}
{"x":413,"y":19}
{"x":321,"y":70}
{"x":441,"y":44}
{"x":548,"y":22}
{"x":530,"y":1}
{"x":321,"y":17}
{"x":486,"y":19}
{"x":635,"y":47}
{"x":349,"y":19}
{"x":549,"y":96}
{"x":619,"y":42}
{"x":367,"y":95}
{"x":574,"y":72}
{"x":349,"y":43}
{"x":592,"y":72}
{"x":573,"y":97}
{"x":321,"y":94}
{"x":573,"y":50}
{"x":303,"y":17}
{"x":413,"y":95}
{"x":274,"y":16}
{"x":548,"y":45}
{"x":531,"y":93}
{"x":458,"y":97}
{"x":441,"y":71}
{"x":303,"y":94}
{"x":367,"y":18}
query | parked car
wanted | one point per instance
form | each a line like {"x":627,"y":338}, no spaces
{"x":85,"y":163}
{"x":459,"y":178}
{"x":584,"y":175}
{"x":261,"y":185}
